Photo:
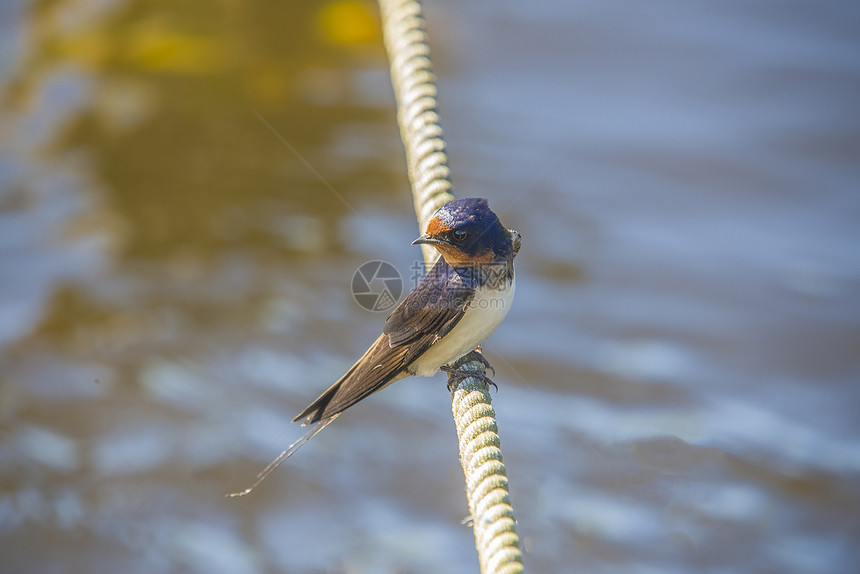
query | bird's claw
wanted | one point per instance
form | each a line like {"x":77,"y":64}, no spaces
{"x":460,"y":375}
{"x":478,"y":355}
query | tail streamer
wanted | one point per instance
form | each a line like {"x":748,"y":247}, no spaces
{"x":282,"y":458}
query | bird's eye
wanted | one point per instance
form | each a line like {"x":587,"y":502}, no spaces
{"x":459,"y":235}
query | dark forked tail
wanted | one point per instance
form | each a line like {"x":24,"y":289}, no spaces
{"x":315,"y":411}
{"x":380,"y":366}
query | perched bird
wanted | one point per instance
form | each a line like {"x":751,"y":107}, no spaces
{"x":453,"y":310}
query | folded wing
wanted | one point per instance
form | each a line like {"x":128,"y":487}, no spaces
{"x":429,"y":312}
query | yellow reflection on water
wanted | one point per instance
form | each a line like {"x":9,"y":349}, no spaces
{"x":169,"y":124}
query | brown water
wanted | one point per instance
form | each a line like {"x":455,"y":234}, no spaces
{"x":678,"y":377}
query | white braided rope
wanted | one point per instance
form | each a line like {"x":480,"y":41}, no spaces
{"x":486,"y":479}
{"x":415,"y":90}
{"x":493,"y":518}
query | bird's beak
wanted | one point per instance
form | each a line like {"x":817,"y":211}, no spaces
{"x":427,"y":239}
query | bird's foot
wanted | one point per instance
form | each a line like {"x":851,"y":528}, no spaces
{"x":478,"y":355}
{"x":460,"y":375}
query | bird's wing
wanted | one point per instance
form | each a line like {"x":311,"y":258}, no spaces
{"x":427,"y":313}
{"x":379,"y":366}
{"x":430,"y":311}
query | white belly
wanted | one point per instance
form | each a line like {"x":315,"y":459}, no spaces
{"x":483,"y":316}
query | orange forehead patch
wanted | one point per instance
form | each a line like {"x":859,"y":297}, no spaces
{"x":436,"y":227}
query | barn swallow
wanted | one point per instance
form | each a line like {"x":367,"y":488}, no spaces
{"x":452,"y":311}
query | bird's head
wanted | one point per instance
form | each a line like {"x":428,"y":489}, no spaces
{"x":467,"y":232}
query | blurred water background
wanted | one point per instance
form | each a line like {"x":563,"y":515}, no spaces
{"x":678,"y":377}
